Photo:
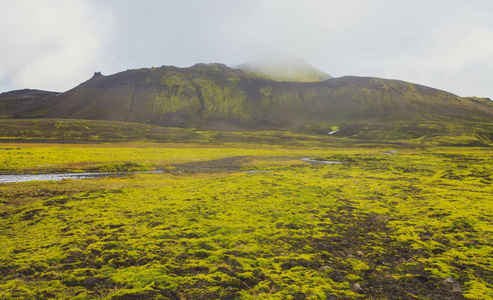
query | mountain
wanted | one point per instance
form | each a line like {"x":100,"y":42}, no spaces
{"x":285,"y":69}
{"x":15,"y":102}
{"x":214,"y":96}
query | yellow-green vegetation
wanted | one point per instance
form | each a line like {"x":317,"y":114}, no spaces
{"x":206,"y":98}
{"x":216,"y":97}
{"x":53,"y":130}
{"x":91,"y":130}
{"x":42,"y":158}
{"x":412,"y":224}
{"x":349,"y":134}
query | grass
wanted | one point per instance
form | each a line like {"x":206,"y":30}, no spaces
{"x":44,"y":158}
{"x":411,"y":225}
{"x":350,"y":134}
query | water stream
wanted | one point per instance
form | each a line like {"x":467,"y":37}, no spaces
{"x":62,"y":176}
{"x":54,"y":177}
{"x":314,"y":161}
{"x":57,"y":177}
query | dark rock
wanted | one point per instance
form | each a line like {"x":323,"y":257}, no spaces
{"x":74,"y":256}
{"x":225,"y":271}
{"x":168,"y":294}
{"x":116,"y":226}
{"x":92,"y":283}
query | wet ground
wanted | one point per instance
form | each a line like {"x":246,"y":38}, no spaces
{"x":54,"y":177}
{"x":61,"y":176}
{"x":218,"y":165}
{"x":319,"y":162}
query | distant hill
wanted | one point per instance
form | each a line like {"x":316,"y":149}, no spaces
{"x":15,"y":102}
{"x":217,"y":97}
{"x":285,"y":69}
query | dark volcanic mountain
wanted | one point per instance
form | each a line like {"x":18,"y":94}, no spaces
{"x":214,"y":96}
{"x":15,"y":102}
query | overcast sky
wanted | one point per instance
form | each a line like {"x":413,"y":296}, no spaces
{"x":57,"y":44}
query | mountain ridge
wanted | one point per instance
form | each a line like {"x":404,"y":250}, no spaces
{"x":215,"y":96}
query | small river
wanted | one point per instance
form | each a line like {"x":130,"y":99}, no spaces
{"x":318,"y":162}
{"x":54,"y":177}
{"x":62,"y":176}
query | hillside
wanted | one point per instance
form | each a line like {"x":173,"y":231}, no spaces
{"x":202,"y":95}
{"x":15,"y":102}
{"x":216,"y":97}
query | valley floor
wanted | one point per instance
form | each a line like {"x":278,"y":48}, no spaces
{"x":417,"y":224}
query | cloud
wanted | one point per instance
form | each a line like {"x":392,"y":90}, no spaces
{"x":453,"y":51}
{"x":232,"y":32}
{"x":50,"y":44}
{"x":56,"y":44}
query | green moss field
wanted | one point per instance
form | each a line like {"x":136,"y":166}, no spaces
{"x":412,"y":224}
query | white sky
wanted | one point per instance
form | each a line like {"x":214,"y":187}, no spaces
{"x":57,"y":44}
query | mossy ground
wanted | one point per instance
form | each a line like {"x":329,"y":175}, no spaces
{"x":349,"y":133}
{"x":377,"y":226}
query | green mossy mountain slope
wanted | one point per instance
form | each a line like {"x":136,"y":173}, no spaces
{"x":214,"y":96}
